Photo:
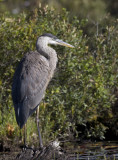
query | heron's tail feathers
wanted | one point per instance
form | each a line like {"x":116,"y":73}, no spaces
{"x":22,"y":114}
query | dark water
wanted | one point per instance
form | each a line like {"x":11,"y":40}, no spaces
{"x":77,"y":151}
{"x":93,"y":151}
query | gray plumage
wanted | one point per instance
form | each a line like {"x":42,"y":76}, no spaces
{"x":32,"y":76}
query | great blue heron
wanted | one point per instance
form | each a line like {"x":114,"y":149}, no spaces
{"x":32,"y":76}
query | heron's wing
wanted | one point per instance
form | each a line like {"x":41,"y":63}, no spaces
{"x":29,"y":84}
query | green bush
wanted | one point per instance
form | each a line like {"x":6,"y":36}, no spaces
{"x":80,"y":97}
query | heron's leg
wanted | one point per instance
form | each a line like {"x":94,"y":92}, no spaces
{"x":39,"y":133}
{"x":25,"y":134}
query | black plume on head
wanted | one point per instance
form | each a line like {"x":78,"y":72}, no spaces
{"x":49,"y":35}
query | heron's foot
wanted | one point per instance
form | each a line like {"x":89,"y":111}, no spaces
{"x":25,"y":147}
{"x":41,"y":148}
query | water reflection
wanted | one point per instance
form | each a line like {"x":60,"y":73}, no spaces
{"x":92,"y":151}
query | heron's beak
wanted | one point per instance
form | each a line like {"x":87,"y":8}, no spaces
{"x":62,"y":43}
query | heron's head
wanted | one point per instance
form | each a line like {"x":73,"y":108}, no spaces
{"x":48,"y":38}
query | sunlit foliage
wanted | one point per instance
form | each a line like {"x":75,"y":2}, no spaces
{"x":79,"y":100}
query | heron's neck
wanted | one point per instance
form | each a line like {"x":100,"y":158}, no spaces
{"x":53,"y":58}
{"x":49,"y":53}
{"x":43,"y":50}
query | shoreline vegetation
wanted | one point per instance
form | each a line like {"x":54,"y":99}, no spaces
{"x":81,"y":101}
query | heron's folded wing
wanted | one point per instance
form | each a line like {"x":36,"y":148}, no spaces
{"x":35,"y":84}
{"x":30,"y":83}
